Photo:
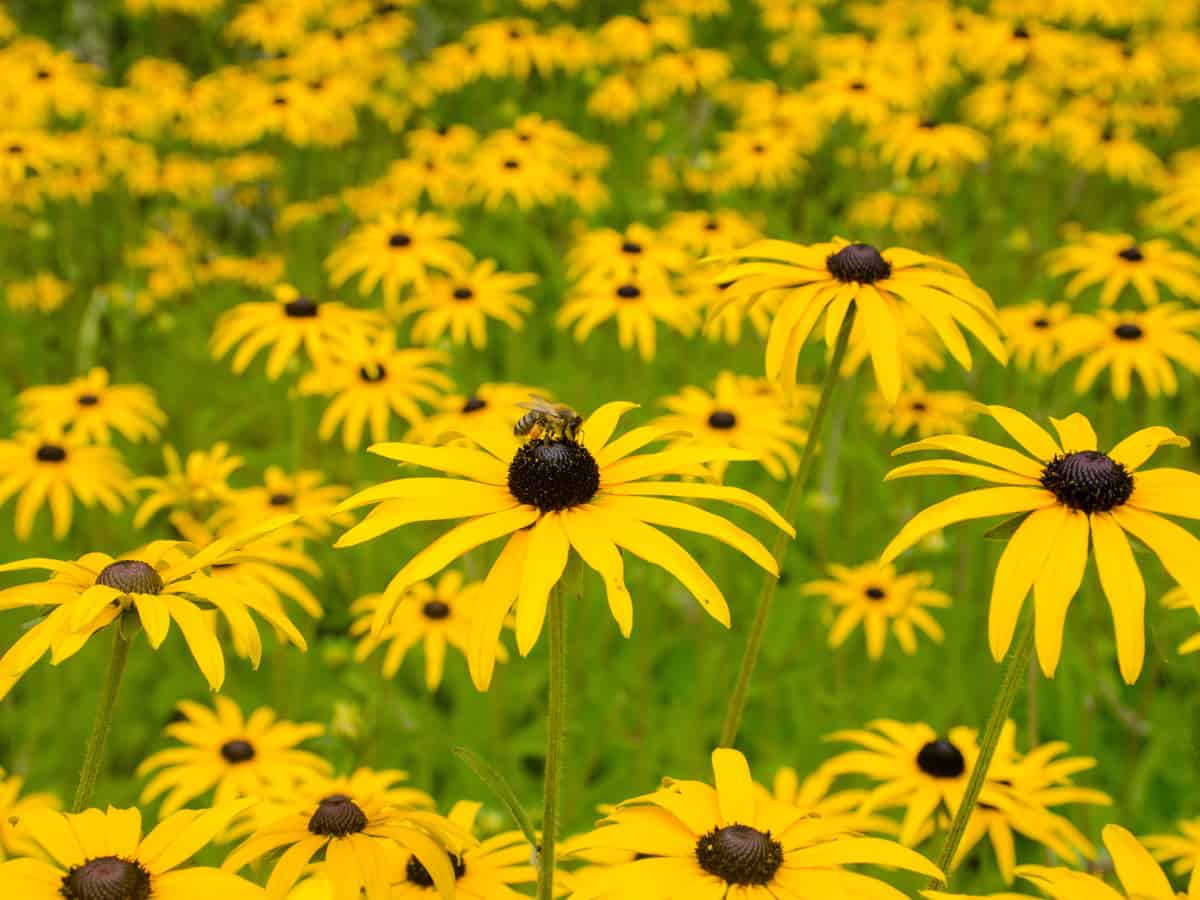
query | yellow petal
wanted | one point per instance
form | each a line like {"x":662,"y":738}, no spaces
{"x":595,"y":548}
{"x":598,"y":428}
{"x":545,"y":560}
{"x":735,"y":787}
{"x":1139,"y":874}
{"x":1140,"y":446}
{"x":1075,"y":432}
{"x":1026,"y":432}
{"x":1124,"y":590}
{"x":1021,"y":563}
{"x":977,"y":504}
{"x":1056,"y":586}
{"x":984,"y":451}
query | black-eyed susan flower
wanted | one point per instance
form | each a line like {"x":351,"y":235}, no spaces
{"x":912,"y":767}
{"x":549,"y":495}
{"x":1115,"y":152}
{"x":264,"y":567}
{"x":92,"y":408}
{"x":193,"y":486}
{"x":162,"y":583}
{"x":461,"y":305}
{"x":304,"y":495}
{"x":230,"y":754}
{"x":921,"y":410}
{"x":490,"y":407}
{"x":1182,"y":850}
{"x":1026,"y":787}
{"x":911,"y":142}
{"x":1031,"y":331}
{"x":1117,"y":261}
{"x":740,"y":412}
{"x":103,"y":855}
{"x":55,"y":469}
{"x":884,"y":209}
{"x":485,"y":871}
{"x":878,"y":598}
{"x":637,"y":251}
{"x":371,"y":382}
{"x":636,"y":302}
{"x":358,"y":822}
{"x":1065,"y":490}
{"x":396,"y":252}
{"x":1145,"y":342}
{"x":824,"y":279}
{"x":436,"y":617}
{"x":288,"y":325}
{"x":731,"y":840}
{"x":709,"y":233}
{"x":1140,"y":877}
{"x":759,"y":156}
{"x":15,"y":805}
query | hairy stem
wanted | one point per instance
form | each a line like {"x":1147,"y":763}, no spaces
{"x":93,"y":755}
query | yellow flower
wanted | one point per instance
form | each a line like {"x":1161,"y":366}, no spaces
{"x":913,"y":768}
{"x":1065,"y":490}
{"x":1182,"y":849}
{"x":705,"y":234}
{"x":45,"y":293}
{"x":397,"y":252}
{"x":49,"y":467}
{"x":433,"y":617}
{"x":815,"y":796}
{"x":1140,"y":876}
{"x":1145,"y":342}
{"x":638,"y":251}
{"x":826,"y":278}
{"x":547,"y":496}
{"x":192,"y":486}
{"x":1032,"y":331}
{"x":637,"y":303}
{"x":694,"y":840}
{"x":14,"y":807}
{"x":928,"y":412}
{"x":372,"y":381}
{"x":92,"y":408}
{"x":462,"y":304}
{"x":741,"y":412}
{"x":358,"y":822}
{"x":1119,"y":260}
{"x":1177,"y":598}
{"x":287,"y":325}
{"x":909,"y":142}
{"x":99,"y":855}
{"x":875,"y":596}
{"x":159,"y":584}
{"x":236,"y":756}
{"x":303,"y":495}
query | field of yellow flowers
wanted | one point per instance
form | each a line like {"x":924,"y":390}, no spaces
{"x":664,"y":450}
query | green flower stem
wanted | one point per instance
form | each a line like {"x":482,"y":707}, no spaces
{"x":737,"y":701}
{"x":94,"y":754}
{"x":555,"y":736}
{"x":1012,"y":676}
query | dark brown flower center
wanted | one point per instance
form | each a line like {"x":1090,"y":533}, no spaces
{"x":858,"y":262}
{"x":87,"y":399}
{"x":511,"y":164}
{"x":1041,"y":323}
{"x":739,"y":854}
{"x":629,"y":292}
{"x":463,"y":293}
{"x":337,"y":816}
{"x":712,"y":225}
{"x":941,"y":759}
{"x":436,"y":609}
{"x":1132,"y":253}
{"x":474,"y":404}
{"x":1127,"y":331}
{"x":281,"y":499}
{"x":238,"y":751}
{"x":399,"y":239}
{"x":418,"y":874}
{"x":1021,"y":33}
{"x":373,"y":373}
{"x":928,"y":124}
{"x":858,"y":86}
{"x":722,"y":420}
{"x":131,"y":576}
{"x":632,"y":247}
{"x":106,"y":878}
{"x":553,"y":474}
{"x":875,"y":593}
{"x":301,"y":308}
{"x":1088,"y":481}
{"x":919,"y":406}
{"x":51,"y":453}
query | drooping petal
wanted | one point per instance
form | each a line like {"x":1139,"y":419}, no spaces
{"x":596,"y":549}
{"x":1022,"y":561}
{"x":987,"y":452}
{"x":545,"y":560}
{"x":1056,"y":586}
{"x":977,"y":504}
{"x":1125,"y":591}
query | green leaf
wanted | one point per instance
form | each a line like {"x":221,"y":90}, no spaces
{"x":505,"y":794}
{"x":1005,"y":529}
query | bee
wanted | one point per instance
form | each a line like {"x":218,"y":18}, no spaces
{"x":550,"y":420}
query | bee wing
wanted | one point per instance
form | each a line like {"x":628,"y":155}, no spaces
{"x":539,"y":404}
